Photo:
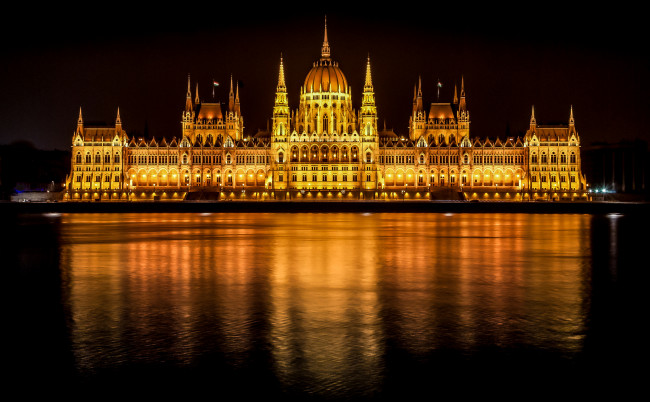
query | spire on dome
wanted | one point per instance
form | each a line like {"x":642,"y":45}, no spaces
{"x":325,"y":50}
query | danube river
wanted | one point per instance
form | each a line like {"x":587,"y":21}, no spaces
{"x":324,"y":306}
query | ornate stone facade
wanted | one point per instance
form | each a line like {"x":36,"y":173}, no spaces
{"x":326,"y":149}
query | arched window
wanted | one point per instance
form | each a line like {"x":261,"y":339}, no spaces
{"x":544,"y":158}
{"x":107,"y":158}
{"x":355,"y":154}
{"x":199,"y":139}
{"x":441,"y":139}
{"x":228,"y":160}
{"x":98,"y":158}
{"x":78,"y":158}
{"x":349,"y":128}
{"x":281,"y":157}
{"x":573,"y":157}
{"x":368,"y":157}
{"x":533,"y":158}
{"x":209,"y":140}
{"x":368,"y":129}
{"x":184,"y":159}
{"x":116,"y":159}
{"x":563,"y":158}
{"x":465,"y":159}
{"x":325,"y":128}
{"x":553,"y":158}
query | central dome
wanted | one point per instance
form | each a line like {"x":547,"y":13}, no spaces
{"x":325,"y":73}
{"x":326,"y":76}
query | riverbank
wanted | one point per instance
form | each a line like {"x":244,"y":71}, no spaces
{"x":330,"y":207}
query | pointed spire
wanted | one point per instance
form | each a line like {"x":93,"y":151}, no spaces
{"x":237,"y":93}
{"x":231,"y":97}
{"x":81,"y":120}
{"x":417,"y":102}
{"x":281,"y":84}
{"x":188,"y":98}
{"x":196,"y":98}
{"x":368,"y":76}
{"x":325,"y":50}
{"x":571,"y":120}
{"x":462,"y":86}
{"x":118,"y":120}
{"x":455,"y":94}
{"x":462,"y":105}
{"x":533,"y":122}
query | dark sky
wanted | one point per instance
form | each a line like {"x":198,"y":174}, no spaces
{"x":551,"y":55}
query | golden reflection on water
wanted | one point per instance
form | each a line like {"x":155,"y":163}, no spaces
{"x":326,"y":293}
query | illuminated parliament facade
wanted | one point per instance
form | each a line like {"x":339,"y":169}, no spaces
{"x":325,"y":150}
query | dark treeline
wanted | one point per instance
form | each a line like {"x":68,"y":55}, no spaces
{"x":24,"y":167}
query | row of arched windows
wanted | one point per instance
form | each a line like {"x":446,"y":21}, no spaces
{"x":98,"y":158}
{"x":544,"y":158}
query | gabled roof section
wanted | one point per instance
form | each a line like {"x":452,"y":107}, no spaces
{"x":209,"y":111}
{"x":99,"y":133}
{"x":553,"y":133}
{"x":441,"y":111}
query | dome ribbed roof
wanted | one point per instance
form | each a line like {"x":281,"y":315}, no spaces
{"x":324,"y":73}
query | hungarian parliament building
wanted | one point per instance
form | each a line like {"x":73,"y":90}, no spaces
{"x":325,"y":150}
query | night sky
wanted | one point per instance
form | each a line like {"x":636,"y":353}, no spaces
{"x":55,"y":60}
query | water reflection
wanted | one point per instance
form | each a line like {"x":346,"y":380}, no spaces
{"x":327,"y":304}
